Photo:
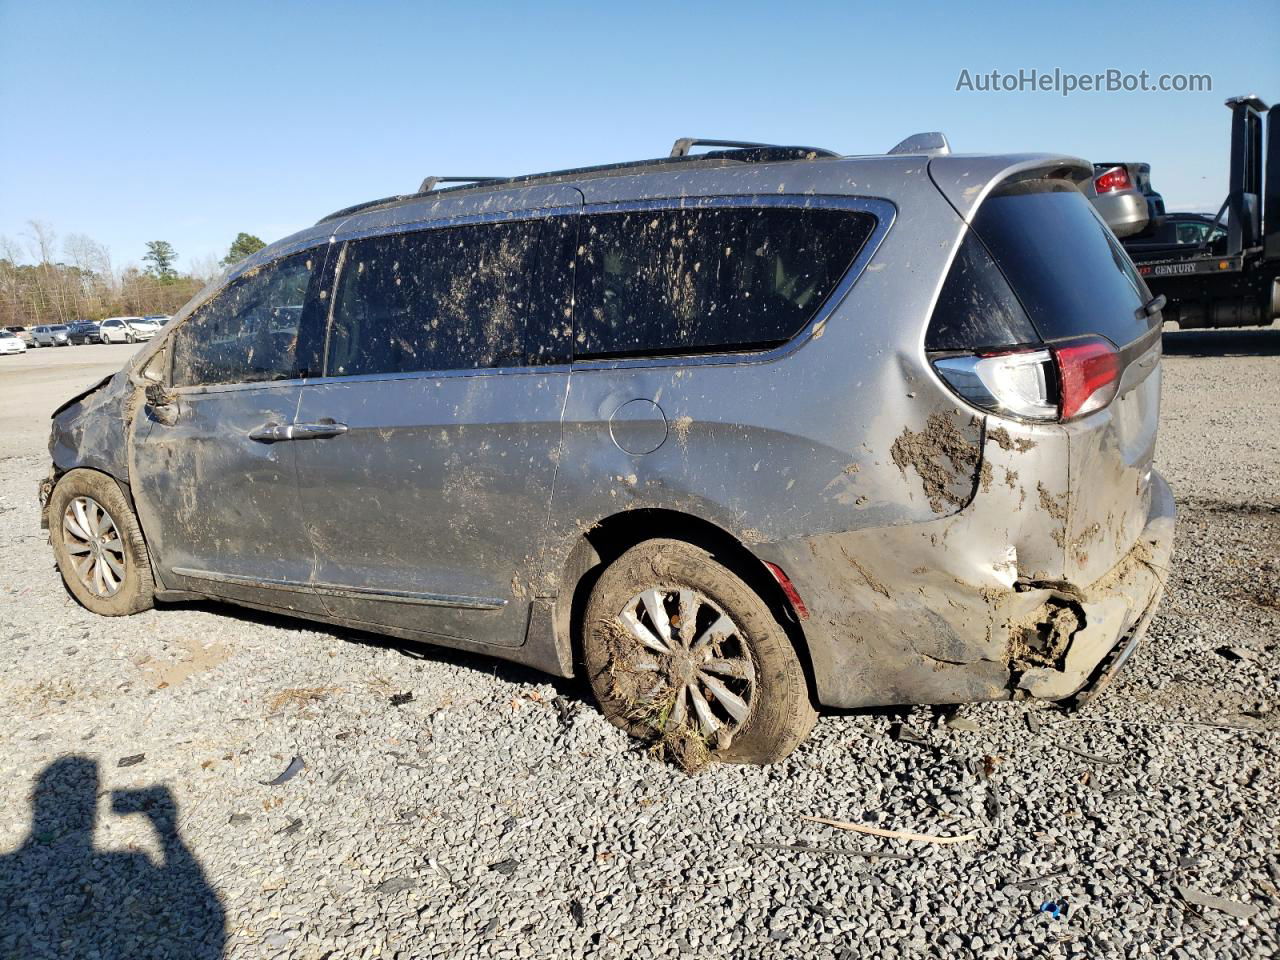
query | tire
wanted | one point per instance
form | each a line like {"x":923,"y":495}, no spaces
{"x":135,"y":591}
{"x":641,"y":690}
{"x":130,"y":338}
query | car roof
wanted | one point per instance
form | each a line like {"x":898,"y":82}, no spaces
{"x":964,"y":180}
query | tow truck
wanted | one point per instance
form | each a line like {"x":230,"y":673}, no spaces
{"x":1232,"y":278}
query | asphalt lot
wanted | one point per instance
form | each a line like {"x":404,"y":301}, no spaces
{"x":35,"y":383}
{"x":496,"y":814}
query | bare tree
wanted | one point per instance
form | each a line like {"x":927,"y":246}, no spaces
{"x":206,"y":268}
{"x":40,"y":241}
{"x":93,"y":263}
{"x":51,"y":296}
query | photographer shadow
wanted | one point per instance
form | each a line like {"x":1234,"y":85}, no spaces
{"x":61,"y":897}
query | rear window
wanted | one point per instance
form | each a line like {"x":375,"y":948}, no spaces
{"x":667,"y":282}
{"x":1066,"y":267}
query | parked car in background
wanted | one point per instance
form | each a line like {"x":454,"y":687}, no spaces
{"x":11,"y":343}
{"x":159,"y":319}
{"x":1174,"y":231}
{"x":52,"y":335}
{"x":126,"y":330}
{"x":86,"y":331}
{"x":23,"y":334}
{"x":1122,"y":194}
{"x":732,"y":435}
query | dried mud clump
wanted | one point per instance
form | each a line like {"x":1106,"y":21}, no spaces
{"x":1056,"y":507}
{"x":1001,"y":436}
{"x":646,"y":699}
{"x":680,"y":744}
{"x":1042,"y":638}
{"x":941,"y":455}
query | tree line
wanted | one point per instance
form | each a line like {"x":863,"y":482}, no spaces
{"x":44,"y":281}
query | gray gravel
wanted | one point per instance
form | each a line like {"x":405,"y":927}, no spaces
{"x":496,"y":814}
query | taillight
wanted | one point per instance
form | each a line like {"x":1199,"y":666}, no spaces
{"x":1053,"y":383}
{"x":1088,"y":376}
{"x":1117,"y":178}
{"x":1019,"y":384}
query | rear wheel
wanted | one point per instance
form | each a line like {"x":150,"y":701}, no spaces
{"x":99,"y":546}
{"x":681,"y":652}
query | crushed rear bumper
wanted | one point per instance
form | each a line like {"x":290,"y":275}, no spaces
{"x":920,"y":613}
{"x":1118,"y":610}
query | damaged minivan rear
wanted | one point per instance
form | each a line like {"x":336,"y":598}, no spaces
{"x":733,"y":435}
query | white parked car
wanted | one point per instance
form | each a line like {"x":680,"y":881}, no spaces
{"x":11,"y":343}
{"x":127,"y":329}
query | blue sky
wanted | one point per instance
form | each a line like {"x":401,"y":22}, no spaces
{"x":191,"y":122}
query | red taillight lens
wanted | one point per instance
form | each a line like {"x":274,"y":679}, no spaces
{"x":1088,"y":376}
{"x":1117,"y":178}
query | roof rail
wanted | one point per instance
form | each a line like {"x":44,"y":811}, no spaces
{"x":429,"y":183}
{"x":682,"y":147}
{"x":733,"y":152}
{"x":932,"y":144}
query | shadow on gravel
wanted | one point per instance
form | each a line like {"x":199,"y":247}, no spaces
{"x":1223,"y":343}
{"x":61,"y":897}
{"x":504,"y":670}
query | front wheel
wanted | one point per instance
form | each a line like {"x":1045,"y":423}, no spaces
{"x":130,"y":338}
{"x":681,"y":652}
{"x":98,"y":544}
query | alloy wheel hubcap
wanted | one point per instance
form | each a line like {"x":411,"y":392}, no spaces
{"x":94,"y":545}
{"x":699,"y":658}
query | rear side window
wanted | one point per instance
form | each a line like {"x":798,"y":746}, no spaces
{"x":248,"y":332}
{"x":444,"y":299}
{"x":663,"y":282}
{"x":1064,"y":264}
{"x":976,"y":310}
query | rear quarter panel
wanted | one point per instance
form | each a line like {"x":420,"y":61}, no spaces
{"x":799,"y":442}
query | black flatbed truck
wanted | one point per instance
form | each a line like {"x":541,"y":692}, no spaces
{"x":1234,"y":280}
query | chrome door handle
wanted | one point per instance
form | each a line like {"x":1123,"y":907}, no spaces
{"x":320,"y":430}
{"x":270,"y":433}
{"x":277,"y":432}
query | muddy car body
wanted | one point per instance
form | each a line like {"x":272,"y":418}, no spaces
{"x":881,"y":523}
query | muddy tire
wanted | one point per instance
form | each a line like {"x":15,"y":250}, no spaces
{"x":99,"y":546}
{"x":682,"y":653}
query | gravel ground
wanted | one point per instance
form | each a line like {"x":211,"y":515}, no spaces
{"x":496,"y":814}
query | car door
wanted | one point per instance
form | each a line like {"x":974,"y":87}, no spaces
{"x":213,"y":474}
{"x":427,"y":513}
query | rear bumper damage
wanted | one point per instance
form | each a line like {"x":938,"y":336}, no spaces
{"x":921,"y":613}
{"x":1118,"y":608}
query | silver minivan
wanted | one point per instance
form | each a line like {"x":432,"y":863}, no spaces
{"x":734,"y":435}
